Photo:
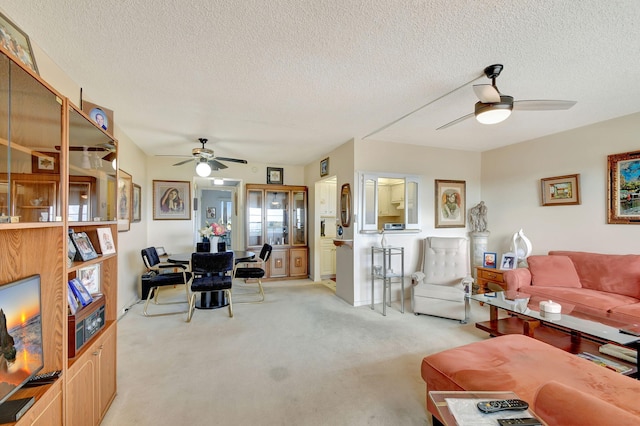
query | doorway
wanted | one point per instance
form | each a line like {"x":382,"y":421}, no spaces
{"x":218,"y":204}
{"x":326,"y":201}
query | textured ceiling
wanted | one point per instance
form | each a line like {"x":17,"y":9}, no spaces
{"x":286,"y":81}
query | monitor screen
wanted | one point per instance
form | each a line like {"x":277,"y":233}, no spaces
{"x":21,"y":354}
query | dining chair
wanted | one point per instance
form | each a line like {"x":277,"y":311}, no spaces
{"x":160,"y":275}
{"x":254,"y":269}
{"x":211,"y":273}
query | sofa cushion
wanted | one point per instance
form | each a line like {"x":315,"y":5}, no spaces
{"x":553,"y":271}
{"x":599,"y":300}
{"x":613,"y":273}
{"x":558,"y":404}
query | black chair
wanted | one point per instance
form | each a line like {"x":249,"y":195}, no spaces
{"x":254,"y":269}
{"x":203,"y":247}
{"x":211,"y":273}
{"x":157,"y":277}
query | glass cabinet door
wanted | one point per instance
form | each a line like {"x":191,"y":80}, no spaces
{"x":299,"y":218}
{"x":254,"y":213}
{"x":277,"y":212}
{"x":35,"y":201}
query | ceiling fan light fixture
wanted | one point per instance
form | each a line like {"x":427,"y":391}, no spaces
{"x":203,"y":169}
{"x":494,"y":113}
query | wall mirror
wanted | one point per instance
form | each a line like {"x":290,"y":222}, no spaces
{"x":345,"y":205}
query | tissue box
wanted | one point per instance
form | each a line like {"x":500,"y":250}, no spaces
{"x":550,"y":307}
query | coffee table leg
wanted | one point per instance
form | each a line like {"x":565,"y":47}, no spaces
{"x":493,"y":314}
{"x":529,"y":326}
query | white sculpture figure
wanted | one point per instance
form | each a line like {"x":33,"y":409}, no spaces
{"x":478,"y":217}
{"x":521,"y":246}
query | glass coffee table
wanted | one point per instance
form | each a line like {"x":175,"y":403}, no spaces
{"x":576,"y":328}
{"x":458,"y":407}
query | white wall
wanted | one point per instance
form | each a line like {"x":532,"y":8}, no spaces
{"x":511,"y":189}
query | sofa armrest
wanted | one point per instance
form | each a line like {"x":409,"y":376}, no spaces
{"x":518,"y":278}
{"x":559,"y":404}
{"x":417,"y":277}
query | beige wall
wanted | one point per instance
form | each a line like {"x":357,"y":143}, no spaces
{"x":511,"y":189}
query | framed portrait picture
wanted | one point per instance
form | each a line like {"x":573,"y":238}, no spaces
{"x":107,"y":245}
{"x":489,"y":260}
{"x":211,"y":212}
{"x":275,"y":175}
{"x":101,"y":116}
{"x":45,"y":162}
{"x":16,"y":42}
{"x":560,"y":190}
{"x":623,"y":189}
{"x":90,"y":278}
{"x":84,"y":248}
{"x":508,"y":261}
{"x":136,"y":203}
{"x":450,"y":203}
{"x":124,"y":201}
{"x":324,"y":167}
{"x":171,"y":200}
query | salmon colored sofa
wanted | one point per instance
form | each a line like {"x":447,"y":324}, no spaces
{"x":606,"y":282}
{"x":561,"y":388}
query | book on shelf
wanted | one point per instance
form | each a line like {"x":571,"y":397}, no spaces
{"x":626,"y":354}
{"x":607,"y":363}
{"x":80,"y":291}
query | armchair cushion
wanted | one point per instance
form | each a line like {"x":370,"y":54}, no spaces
{"x":454,"y":293}
{"x":553,"y":271}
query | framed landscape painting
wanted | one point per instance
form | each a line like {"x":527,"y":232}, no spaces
{"x":560,"y":190}
{"x":450,"y":203}
{"x":623,"y":203}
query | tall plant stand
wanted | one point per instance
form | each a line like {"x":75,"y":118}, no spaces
{"x":383,"y":272}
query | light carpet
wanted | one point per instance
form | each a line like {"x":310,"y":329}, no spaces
{"x":303,"y":357}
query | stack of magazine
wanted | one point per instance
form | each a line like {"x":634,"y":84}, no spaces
{"x":626,"y":354}
{"x":607,"y":363}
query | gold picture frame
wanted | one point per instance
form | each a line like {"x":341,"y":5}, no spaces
{"x":324,"y":167}
{"x":560,"y":190}
{"x":450,"y":202}
{"x":623,"y":189}
{"x":16,"y":42}
{"x":125,"y":183}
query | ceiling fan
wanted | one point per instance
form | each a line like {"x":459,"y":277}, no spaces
{"x":109,"y":148}
{"x":206,"y":159}
{"x":494,"y":107}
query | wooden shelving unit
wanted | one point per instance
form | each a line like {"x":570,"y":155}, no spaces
{"x":35,"y":118}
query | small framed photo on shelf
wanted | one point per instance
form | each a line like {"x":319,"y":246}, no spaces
{"x":107,"y":246}
{"x":489,"y":260}
{"x":72,"y":301}
{"x":18,"y":40}
{"x":83,"y":246}
{"x":275,"y":175}
{"x":508,"y":261}
{"x":72,"y":252}
{"x":90,"y":278}
{"x":81,"y":293}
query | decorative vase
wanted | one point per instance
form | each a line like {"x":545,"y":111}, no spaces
{"x":214,"y":243}
{"x":383,"y":241}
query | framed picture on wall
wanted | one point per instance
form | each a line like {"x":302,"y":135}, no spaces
{"x":275,"y":175}
{"x":171,"y":200}
{"x":324,"y":167}
{"x":136,"y":203}
{"x":450,"y":203}
{"x":623,"y":189}
{"x":45,"y":162}
{"x":124,"y":201}
{"x":211,"y":212}
{"x":560,"y":190}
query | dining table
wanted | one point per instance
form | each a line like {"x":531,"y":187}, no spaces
{"x":211,"y":299}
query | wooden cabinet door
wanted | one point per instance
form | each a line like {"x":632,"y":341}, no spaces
{"x":106,"y":374}
{"x":279,"y":263}
{"x":298,"y":262}
{"x":81,"y":395}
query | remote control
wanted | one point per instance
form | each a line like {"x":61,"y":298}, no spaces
{"x":526,"y":421}
{"x":43,"y":378}
{"x":501,"y":405}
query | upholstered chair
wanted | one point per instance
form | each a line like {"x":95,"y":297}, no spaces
{"x":443,"y":283}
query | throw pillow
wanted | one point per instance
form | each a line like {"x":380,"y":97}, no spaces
{"x":553,"y":271}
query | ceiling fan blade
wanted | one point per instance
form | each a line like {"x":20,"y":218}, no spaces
{"x":456,"y":121}
{"x":183,"y":162}
{"x":216,"y":165}
{"x":109,"y":157}
{"x":487,"y":93}
{"x":234,"y":160}
{"x":542,"y":105}
{"x":84,"y":148}
{"x":174,"y":156}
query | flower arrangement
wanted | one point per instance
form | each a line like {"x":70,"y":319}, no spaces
{"x":213,"y":230}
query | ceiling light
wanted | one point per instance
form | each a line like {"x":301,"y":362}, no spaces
{"x":218,"y":181}
{"x":203,"y":169}
{"x":493,"y":113}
